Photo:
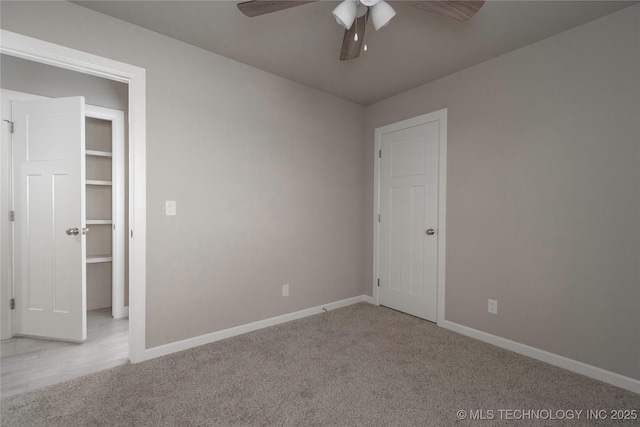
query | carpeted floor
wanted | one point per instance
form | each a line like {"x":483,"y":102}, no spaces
{"x":361,"y":365}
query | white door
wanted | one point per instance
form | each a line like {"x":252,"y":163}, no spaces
{"x":49,"y":200}
{"x":408,"y":235}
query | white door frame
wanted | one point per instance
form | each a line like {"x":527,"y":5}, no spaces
{"x":441,"y":116}
{"x":135,"y":77}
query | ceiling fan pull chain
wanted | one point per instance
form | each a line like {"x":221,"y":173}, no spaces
{"x":366,"y":21}
{"x":355,"y":37}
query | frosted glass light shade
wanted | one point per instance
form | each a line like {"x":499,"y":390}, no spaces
{"x":381,"y":14}
{"x":345,"y":13}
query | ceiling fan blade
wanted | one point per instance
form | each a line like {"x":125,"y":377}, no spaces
{"x":462,"y":10}
{"x":350,"y":48}
{"x":262,"y":7}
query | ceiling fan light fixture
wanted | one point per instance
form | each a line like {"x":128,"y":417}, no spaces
{"x":381,"y":14}
{"x":369,"y":3}
{"x":345,"y":13}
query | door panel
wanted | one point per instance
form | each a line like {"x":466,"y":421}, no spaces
{"x":408,"y":191}
{"x":416,"y":236}
{"x":394,"y":259}
{"x":49,"y":287}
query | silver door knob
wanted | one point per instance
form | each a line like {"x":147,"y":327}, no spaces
{"x":431,"y":232}
{"x":85,"y":230}
{"x":73,"y":231}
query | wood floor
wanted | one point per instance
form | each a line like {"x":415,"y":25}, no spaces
{"x":27,"y":363}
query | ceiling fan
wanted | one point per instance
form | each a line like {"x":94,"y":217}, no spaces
{"x":354,"y":15}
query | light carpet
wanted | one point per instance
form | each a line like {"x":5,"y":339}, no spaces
{"x":360,"y":365}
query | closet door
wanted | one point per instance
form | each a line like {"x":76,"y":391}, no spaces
{"x":49,"y":189}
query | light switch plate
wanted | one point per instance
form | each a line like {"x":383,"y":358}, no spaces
{"x":493,"y":306}
{"x":170,"y":206}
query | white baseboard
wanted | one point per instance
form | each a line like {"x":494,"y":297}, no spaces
{"x":367,"y":298}
{"x":544,"y":356}
{"x":174,"y":347}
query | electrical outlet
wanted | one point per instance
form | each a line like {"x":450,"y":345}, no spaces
{"x":493,"y":306}
{"x":285,"y":290}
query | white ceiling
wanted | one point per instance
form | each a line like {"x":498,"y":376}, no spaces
{"x":303,"y":43}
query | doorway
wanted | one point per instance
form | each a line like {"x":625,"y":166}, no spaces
{"x":410,"y":208}
{"x":45,"y":304}
{"x":19,"y":46}
{"x":58,"y":147}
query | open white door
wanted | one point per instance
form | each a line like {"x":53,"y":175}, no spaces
{"x":49,"y":200}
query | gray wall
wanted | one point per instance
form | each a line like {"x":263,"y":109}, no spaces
{"x":267,"y":175}
{"x":543,"y":191}
{"x":40,"y":79}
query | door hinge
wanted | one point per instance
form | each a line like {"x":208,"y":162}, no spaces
{"x":380,"y":154}
{"x":379,"y":220}
{"x":10,"y":125}
{"x":12,"y":215}
{"x":13,"y":303}
{"x":378,"y":282}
